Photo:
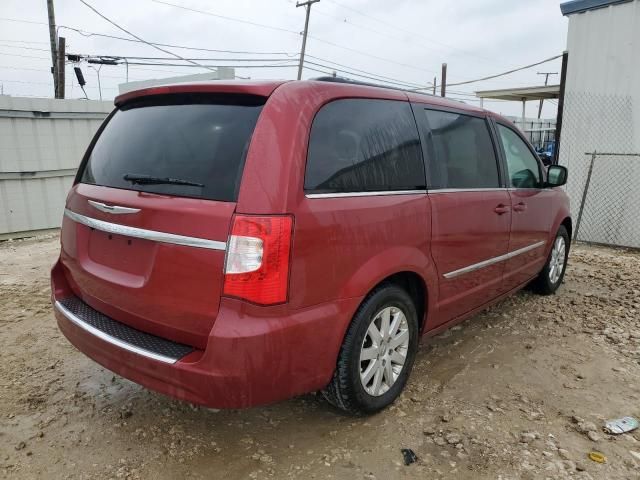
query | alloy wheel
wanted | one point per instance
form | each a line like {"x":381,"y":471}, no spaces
{"x":556,"y":263}
{"x":384,"y":351}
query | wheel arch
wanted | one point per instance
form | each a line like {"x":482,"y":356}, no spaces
{"x":408,"y":267}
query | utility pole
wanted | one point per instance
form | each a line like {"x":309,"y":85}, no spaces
{"x":52,"y":41}
{"x":307,"y":5}
{"x":435,"y":79}
{"x":61,"y":58}
{"x":443,"y":81}
{"x":546,"y":80}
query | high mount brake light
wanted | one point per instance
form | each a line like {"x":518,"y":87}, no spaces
{"x":257,"y":261}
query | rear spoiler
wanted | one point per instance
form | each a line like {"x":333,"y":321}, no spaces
{"x":261,"y":89}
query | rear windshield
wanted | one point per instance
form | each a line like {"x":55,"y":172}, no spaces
{"x":187,"y":146}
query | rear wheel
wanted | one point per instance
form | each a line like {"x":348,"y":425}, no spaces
{"x":377,"y":354}
{"x":552,"y":274}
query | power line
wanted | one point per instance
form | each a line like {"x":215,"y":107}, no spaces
{"x":199,"y":59}
{"x":409,"y":84}
{"x":504,"y":73}
{"x":25,"y":48}
{"x":86,"y":33}
{"x":224,"y":17}
{"x":23,"y":56}
{"x":211,"y":66}
{"x":347,"y":69}
{"x":8,"y":40}
{"x":395,"y":27}
{"x":355,"y":74}
{"x":203,"y":12}
{"x":33,"y":22}
{"x":137,"y":37}
{"x":501,"y":74}
{"x":370,"y":55}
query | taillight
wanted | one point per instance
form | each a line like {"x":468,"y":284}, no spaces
{"x":257,"y":263}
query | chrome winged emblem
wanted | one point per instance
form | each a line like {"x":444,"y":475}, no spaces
{"x":103,"y":207}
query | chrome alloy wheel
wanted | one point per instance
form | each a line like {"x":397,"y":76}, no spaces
{"x":556,"y":263}
{"x":384,"y":351}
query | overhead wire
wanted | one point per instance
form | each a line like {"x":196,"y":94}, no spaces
{"x":286,"y":30}
{"x":86,"y":33}
{"x":168,"y":52}
{"x":409,"y":32}
{"x":224,"y":17}
{"x":26,"y":48}
{"x":489,"y":77}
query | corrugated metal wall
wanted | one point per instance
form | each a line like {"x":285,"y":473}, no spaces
{"x":602,"y":114}
{"x":41,"y":144}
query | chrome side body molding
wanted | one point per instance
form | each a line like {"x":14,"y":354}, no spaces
{"x":492,"y":261}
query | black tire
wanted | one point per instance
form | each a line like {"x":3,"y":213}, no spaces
{"x":346,"y":390}
{"x":543,"y":283}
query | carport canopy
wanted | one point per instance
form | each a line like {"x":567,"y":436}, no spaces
{"x":521,"y":94}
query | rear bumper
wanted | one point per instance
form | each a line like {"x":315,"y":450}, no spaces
{"x":249,"y":359}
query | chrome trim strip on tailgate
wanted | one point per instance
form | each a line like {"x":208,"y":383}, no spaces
{"x":112,"y":340}
{"x":491,"y":261}
{"x":145,"y":234}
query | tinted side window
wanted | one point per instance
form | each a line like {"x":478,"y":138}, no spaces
{"x":360,"y":145}
{"x":461,"y":151}
{"x":522,"y":166}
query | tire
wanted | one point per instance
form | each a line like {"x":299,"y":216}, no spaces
{"x":551,"y":276}
{"x":348,"y":390}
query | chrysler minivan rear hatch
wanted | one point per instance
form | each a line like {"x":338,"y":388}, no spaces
{"x":146,"y":224}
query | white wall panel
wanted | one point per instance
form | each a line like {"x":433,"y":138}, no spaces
{"x":41,"y":144}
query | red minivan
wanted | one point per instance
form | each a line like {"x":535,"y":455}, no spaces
{"x":238,"y":243}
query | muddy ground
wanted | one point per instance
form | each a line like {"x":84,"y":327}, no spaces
{"x":520,"y":391}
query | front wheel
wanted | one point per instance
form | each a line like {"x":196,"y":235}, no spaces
{"x":377,"y":354}
{"x":552,"y":274}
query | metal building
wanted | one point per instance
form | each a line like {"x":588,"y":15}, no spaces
{"x":600,"y":137}
{"x":41,"y":144}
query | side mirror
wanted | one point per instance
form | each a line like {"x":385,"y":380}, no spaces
{"x":556,"y":176}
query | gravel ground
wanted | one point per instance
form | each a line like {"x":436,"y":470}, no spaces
{"x":519,"y":391}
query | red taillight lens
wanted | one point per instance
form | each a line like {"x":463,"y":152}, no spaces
{"x":257,"y":263}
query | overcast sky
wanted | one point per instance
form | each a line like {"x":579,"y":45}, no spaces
{"x":405,"y":41}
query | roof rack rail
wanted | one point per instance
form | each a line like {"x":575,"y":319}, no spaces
{"x":367,"y":84}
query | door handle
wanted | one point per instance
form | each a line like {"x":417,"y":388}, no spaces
{"x":501,"y":209}
{"x":519,"y":207}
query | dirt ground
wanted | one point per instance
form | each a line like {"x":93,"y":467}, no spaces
{"x":520,"y":391}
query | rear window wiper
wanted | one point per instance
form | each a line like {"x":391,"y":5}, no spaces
{"x":149,"y":180}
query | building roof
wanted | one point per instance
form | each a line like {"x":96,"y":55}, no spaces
{"x":522,"y":93}
{"x":579,"y":6}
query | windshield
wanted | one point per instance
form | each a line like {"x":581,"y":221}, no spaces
{"x":189,"y":146}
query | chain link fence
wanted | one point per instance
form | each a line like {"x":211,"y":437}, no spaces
{"x":601,"y":149}
{"x":609,"y":211}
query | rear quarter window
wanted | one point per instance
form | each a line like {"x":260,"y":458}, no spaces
{"x":362,"y":145}
{"x":201,"y":140}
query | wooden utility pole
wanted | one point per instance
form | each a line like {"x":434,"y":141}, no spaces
{"x":52,"y":41}
{"x":307,"y":5}
{"x":443,"y":81}
{"x":61,"y":58}
{"x":546,"y":80}
{"x":435,"y":79}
